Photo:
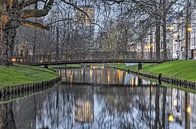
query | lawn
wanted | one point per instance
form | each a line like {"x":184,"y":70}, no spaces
{"x":65,"y":66}
{"x":182,"y":69}
{"x":20,"y":74}
{"x":132,"y":68}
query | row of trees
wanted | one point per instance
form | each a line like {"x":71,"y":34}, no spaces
{"x":116,"y":23}
{"x":13,"y":14}
{"x":144,"y":15}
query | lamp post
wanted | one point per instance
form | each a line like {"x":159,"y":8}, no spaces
{"x":187,"y":41}
{"x":151,"y":42}
{"x":187,"y":30}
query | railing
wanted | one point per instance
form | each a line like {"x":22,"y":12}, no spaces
{"x":90,"y":56}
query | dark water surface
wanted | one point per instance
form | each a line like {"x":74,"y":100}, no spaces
{"x":102,"y":107}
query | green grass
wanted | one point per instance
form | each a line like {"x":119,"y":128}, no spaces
{"x":65,"y":66}
{"x":21,"y":74}
{"x":183,"y":69}
{"x":132,"y":68}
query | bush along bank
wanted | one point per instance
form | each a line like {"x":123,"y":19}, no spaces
{"x":179,"y":73}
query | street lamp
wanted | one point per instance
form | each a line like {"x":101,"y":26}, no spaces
{"x":13,"y":59}
{"x":187,"y":41}
{"x":189,"y":28}
{"x":171,"y":28}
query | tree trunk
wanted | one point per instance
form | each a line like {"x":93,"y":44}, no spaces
{"x":164,"y":31}
{"x":7,"y":45}
{"x":3,"y":55}
{"x":164,"y":40}
{"x":157,"y":40}
{"x":11,"y":37}
{"x":57,"y":44}
{"x":142,"y":49}
{"x":151,"y":43}
{"x":34,"y":45}
{"x":187,"y":33}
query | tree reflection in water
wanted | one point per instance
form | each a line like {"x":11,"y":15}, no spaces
{"x":96,"y":107}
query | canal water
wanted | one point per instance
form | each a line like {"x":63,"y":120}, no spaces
{"x":109,"y":99}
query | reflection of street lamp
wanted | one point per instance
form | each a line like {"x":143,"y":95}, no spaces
{"x":175,"y":102}
{"x":188,"y":109}
{"x":84,"y":112}
{"x":170,"y":117}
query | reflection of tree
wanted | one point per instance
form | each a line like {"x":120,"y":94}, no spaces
{"x":84,"y":108}
{"x":116,"y":107}
{"x":6,"y":117}
{"x":157,"y":120}
{"x":124,"y":109}
{"x":163,"y":109}
{"x":187,"y":113}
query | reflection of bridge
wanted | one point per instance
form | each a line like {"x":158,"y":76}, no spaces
{"x":89,"y":57}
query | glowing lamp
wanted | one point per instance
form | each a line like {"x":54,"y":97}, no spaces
{"x":171,"y":28}
{"x":170,"y":117}
{"x":175,"y":102}
{"x":13,"y":59}
{"x":189,"y":29}
{"x":188,"y":109}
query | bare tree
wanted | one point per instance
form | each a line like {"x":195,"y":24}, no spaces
{"x":16,"y":13}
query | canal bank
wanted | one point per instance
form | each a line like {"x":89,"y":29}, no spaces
{"x":77,"y":106}
{"x":180,"y":73}
{"x":65,"y":66}
{"x":20,"y":79}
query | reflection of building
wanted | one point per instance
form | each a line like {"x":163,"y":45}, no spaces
{"x":84,"y":109}
{"x":85,"y":19}
{"x":193,"y":35}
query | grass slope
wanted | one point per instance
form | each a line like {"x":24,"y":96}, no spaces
{"x":20,"y":74}
{"x":132,"y":68}
{"x":183,"y":69}
{"x":65,"y":66}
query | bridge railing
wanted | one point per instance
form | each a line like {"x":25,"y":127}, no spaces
{"x":95,"y":55}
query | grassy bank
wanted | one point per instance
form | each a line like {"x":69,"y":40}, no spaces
{"x":20,"y":74}
{"x":65,"y":66}
{"x":182,"y":69}
{"x":132,"y":68}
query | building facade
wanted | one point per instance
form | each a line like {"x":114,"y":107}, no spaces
{"x":193,"y":35}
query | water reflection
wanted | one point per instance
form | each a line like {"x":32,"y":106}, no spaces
{"x":84,"y":110}
{"x":101,"y":76}
{"x":88,"y":107}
